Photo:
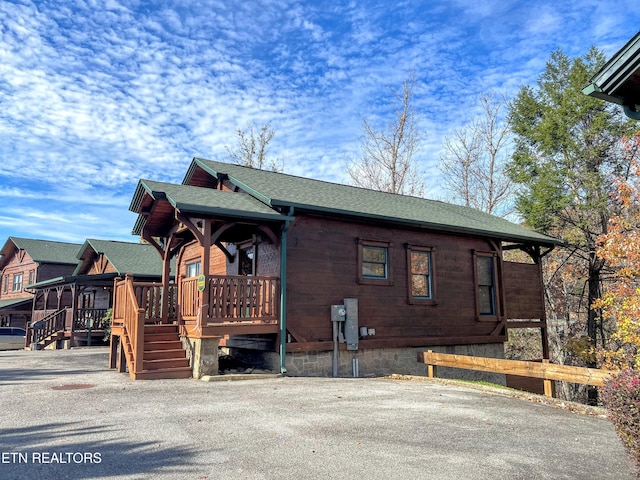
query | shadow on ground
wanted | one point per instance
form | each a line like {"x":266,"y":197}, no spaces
{"x":72,"y":451}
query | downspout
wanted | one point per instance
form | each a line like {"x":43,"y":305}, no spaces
{"x":283,"y":294}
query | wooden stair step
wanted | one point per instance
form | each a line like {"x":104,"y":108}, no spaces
{"x":164,"y":363}
{"x":180,"y":372}
{"x":164,"y":354}
{"x":163,"y":345}
{"x":156,"y":337}
{"x":149,"y":329}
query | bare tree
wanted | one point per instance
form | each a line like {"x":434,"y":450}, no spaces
{"x":387,"y":161}
{"x":474,"y":159}
{"x":252,"y":148}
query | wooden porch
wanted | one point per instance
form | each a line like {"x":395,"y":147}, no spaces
{"x":150,"y":319}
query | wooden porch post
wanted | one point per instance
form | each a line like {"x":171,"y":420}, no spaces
{"x":59,"y":292}
{"x":543,"y":320}
{"x":166,"y":274}
{"x":75,"y":291}
{"x":206,"y":258}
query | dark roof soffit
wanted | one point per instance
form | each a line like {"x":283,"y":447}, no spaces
{"x":606,"y":83}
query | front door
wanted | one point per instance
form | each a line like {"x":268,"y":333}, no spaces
{"x":247,"y":260}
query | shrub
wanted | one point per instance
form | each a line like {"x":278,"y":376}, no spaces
{"x":621,"y":396}
{"x":107,"y":320}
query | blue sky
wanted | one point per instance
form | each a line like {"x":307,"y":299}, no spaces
{"x":96,"y":94}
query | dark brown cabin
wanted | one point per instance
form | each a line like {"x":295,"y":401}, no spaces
{"x":265,"y":259}
{"x":24,"y":261}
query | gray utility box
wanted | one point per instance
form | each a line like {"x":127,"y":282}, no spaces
{"x":347,"y":317}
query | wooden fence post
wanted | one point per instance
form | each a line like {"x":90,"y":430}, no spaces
{"x":431,"y":369}
{"x":548,"y":386}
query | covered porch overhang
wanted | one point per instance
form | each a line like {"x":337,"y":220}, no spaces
{"x":15,"y":312}
{"x":174,"y":216}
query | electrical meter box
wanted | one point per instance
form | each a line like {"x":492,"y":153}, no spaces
{"x":338,"y":313}
{"x":346,"y":318}
{"x":351,"y":330}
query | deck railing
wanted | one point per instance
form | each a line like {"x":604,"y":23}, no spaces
{"x":48,"y":325}
{"x":131,"y":316}
{"x":149,"y":297}
{"x":189,"y":298}
{"x":238,"y":298}
{"x":232,"y":298}
{"x":90,"y":319}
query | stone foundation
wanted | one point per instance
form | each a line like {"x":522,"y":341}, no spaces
{"x":202,"y":354}
{"x":386,"y":361}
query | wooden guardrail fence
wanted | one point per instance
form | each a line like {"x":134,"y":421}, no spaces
{"x":545,"y":370}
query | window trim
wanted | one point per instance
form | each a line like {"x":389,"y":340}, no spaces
{"x":198,"y":269}
{"x":17,"y":285}
{"x":365,"y":280}
{"x":496,"y":288}
{"x":414,"y":300}
{"x":5,"y":283}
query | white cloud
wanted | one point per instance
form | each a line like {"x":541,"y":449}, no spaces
{"x":95,"y":95}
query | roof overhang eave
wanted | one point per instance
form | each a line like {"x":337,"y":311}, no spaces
{"x":229,"y":213}
{"x":535,"y":239}
{"x":72,"y":279}
{"x":606,"y":84}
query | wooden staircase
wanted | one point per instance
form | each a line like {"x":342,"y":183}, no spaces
{"x":163,"y":357}
{"x":49,"y":329}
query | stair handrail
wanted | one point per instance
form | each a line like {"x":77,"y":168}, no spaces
{"x":48,"y":325}
{"x":133,"y":326}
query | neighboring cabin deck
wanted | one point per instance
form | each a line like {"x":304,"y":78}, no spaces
{"x":81,"y":325}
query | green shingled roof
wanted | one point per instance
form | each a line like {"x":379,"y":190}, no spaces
{"x":205,"y":200}
{"x":15,"y":302}
{"x":43,"y":251}
{"x":139,"y":259}
{"x":281,"y":190}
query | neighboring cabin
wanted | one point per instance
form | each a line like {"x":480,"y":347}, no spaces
{"x":73,"y":307}
{"x":262,"y":257}
{"x":24,"y":261}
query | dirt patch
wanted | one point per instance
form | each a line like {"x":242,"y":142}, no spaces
{"x":510,"y":392}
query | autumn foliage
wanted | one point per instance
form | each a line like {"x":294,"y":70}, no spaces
{"x":620,"y":248}
{"x":620,"y":304}
{"x":621,"y":395}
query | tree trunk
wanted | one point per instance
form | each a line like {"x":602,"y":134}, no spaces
{"x":595,"y":268}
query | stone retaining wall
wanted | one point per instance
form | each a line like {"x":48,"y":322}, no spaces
{"x":386,"y":361}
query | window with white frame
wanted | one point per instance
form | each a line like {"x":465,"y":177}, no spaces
{"x":193,"y":269}
{"x":17,"y":282}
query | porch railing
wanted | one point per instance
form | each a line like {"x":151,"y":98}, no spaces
{"x":49,"y":325}
{"x":90,"y":319}
{"x":131,"y":315}
{"x":233,"y":298}
{"x":238,"y":298}
{"x":149,"y":297}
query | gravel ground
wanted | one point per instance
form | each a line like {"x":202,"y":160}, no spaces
{"x":65,"y":415}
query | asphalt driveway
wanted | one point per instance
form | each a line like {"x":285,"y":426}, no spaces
{"x":65,"y":415}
